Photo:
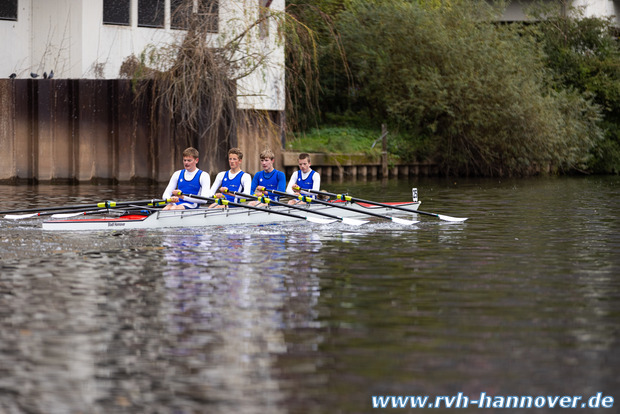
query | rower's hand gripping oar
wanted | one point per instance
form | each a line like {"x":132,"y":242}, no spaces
{"x":370,"y":213}
{"x":225,"y":202}
{"x":267,"y":200}
{"x":359,"y":200}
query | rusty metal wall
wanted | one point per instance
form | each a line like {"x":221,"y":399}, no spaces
{"x":79,"y":130}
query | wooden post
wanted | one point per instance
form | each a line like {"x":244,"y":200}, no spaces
{"x":384,"y":157}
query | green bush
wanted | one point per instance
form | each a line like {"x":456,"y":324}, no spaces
{"x":477,"y":93}
{"x":583,"y":54}
{"x":336,"y":140}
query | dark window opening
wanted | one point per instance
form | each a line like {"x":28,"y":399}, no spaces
{"x":8,"y":9}
{"x":263,"y":16}
{"x":151,"y":13}
{"x":209,"y":10}
{"x":180,"y":13}
{"x":116,"y":12}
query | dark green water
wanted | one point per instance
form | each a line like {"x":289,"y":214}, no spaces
{"x":522,"y":299}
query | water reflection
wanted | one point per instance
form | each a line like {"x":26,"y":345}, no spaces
{"x":225,"y":300}
{"x":521,"y":299}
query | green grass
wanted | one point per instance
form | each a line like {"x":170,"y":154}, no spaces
{"x":344,"y":140}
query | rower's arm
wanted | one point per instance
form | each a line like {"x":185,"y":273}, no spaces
{"x":291,"y":183}
{"x":205,"y":185}
{"x":217,"y":183}
{"x":172,"y":185}
{"x":281,"y":182}
{"x":316,"y":181}
{"x":246,"y":182}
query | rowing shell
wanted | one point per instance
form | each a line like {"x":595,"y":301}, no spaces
{"x":215,"y":217}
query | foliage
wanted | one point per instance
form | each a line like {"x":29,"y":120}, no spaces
{"x":318,"y":42}
{"x":337,"y":139}
{"x":583,"y":54}
{"x":194,"y":78}
{"x":478,"y":91}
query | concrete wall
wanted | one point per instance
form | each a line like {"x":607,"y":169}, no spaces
{"x":260,"y":133}
{"x":95,"y":130}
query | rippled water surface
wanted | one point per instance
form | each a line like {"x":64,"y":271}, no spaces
{"x":521,"y":299}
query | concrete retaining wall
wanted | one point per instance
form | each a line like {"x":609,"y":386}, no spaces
{"x":78,"y":130}
{"x":356,"y":166}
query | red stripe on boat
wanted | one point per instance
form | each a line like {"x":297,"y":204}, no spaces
{"x":129,"y":217}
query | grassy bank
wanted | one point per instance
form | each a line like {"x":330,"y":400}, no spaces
{"x":359,"y":140}
{"x":344,"y":140}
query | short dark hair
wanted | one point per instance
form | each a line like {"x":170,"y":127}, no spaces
{"x":267,"y":153}
{"x":190,"y":152}
{"x":304,"y":156}
{"x":237,"y":152}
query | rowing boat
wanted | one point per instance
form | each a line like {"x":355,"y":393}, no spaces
{"x":203,"y":217}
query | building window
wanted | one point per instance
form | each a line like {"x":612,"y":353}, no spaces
{"x":151,"y":13}
{"x":116,"y":12}
{"x":8,"y":9}
{"x":180,"y":13}
{"x":209,"y":10}
{"x":263,"y":14}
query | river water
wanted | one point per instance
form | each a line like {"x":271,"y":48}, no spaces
{"x":521,"y":299}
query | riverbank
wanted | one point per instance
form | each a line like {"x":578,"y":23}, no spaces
{"x":339,"y":152}
{"x":361,"y":166}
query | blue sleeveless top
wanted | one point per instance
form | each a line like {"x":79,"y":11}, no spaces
{"x":232,"y":185}
{"x":189,"y":187}
{"x":307,"y":183}
{"x":270,"y":182}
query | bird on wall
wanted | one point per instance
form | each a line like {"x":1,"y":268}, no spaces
{"x":12,"y":76}
{"x":44,"y":75}
{"x":51,"y":75}
{"x":34,"y":75}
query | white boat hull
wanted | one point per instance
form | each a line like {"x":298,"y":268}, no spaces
{"x":221,"y":217}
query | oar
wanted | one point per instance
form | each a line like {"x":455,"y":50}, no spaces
{"x":370,"y":213}
{"x":64,"y":213}
{"x":75,"y":214}
{"x":103,"y":204}
{"x":55,"y":214}
{"x":267,"y":200}
{"x":359,"y":200}
{"x":225,"y":202}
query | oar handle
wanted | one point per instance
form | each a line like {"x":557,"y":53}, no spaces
{"x":225,"y":202}
{"x":314,"y":200}
{"x":267,"y":200}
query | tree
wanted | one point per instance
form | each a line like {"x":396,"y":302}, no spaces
{"x":195,"y":79}
{"x":583,"y":54}
{"x":477,"y":92}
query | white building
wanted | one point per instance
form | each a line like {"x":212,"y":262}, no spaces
{"x":591,"y":8}
{"x":91,"y":38}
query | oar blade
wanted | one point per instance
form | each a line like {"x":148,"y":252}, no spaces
{"x":67,"y":215}
{"x":404,"y":222}
{"x":353,"y":222}
{"x":452,"y":219}
{"x":20,"y":216}
{"x":320,"y":220}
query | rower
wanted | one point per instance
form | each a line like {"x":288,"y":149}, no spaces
{"x":232,"y":180}
{"x":303,"y":179}
{"x":190,"y":180}
{"x":267,"y":179}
